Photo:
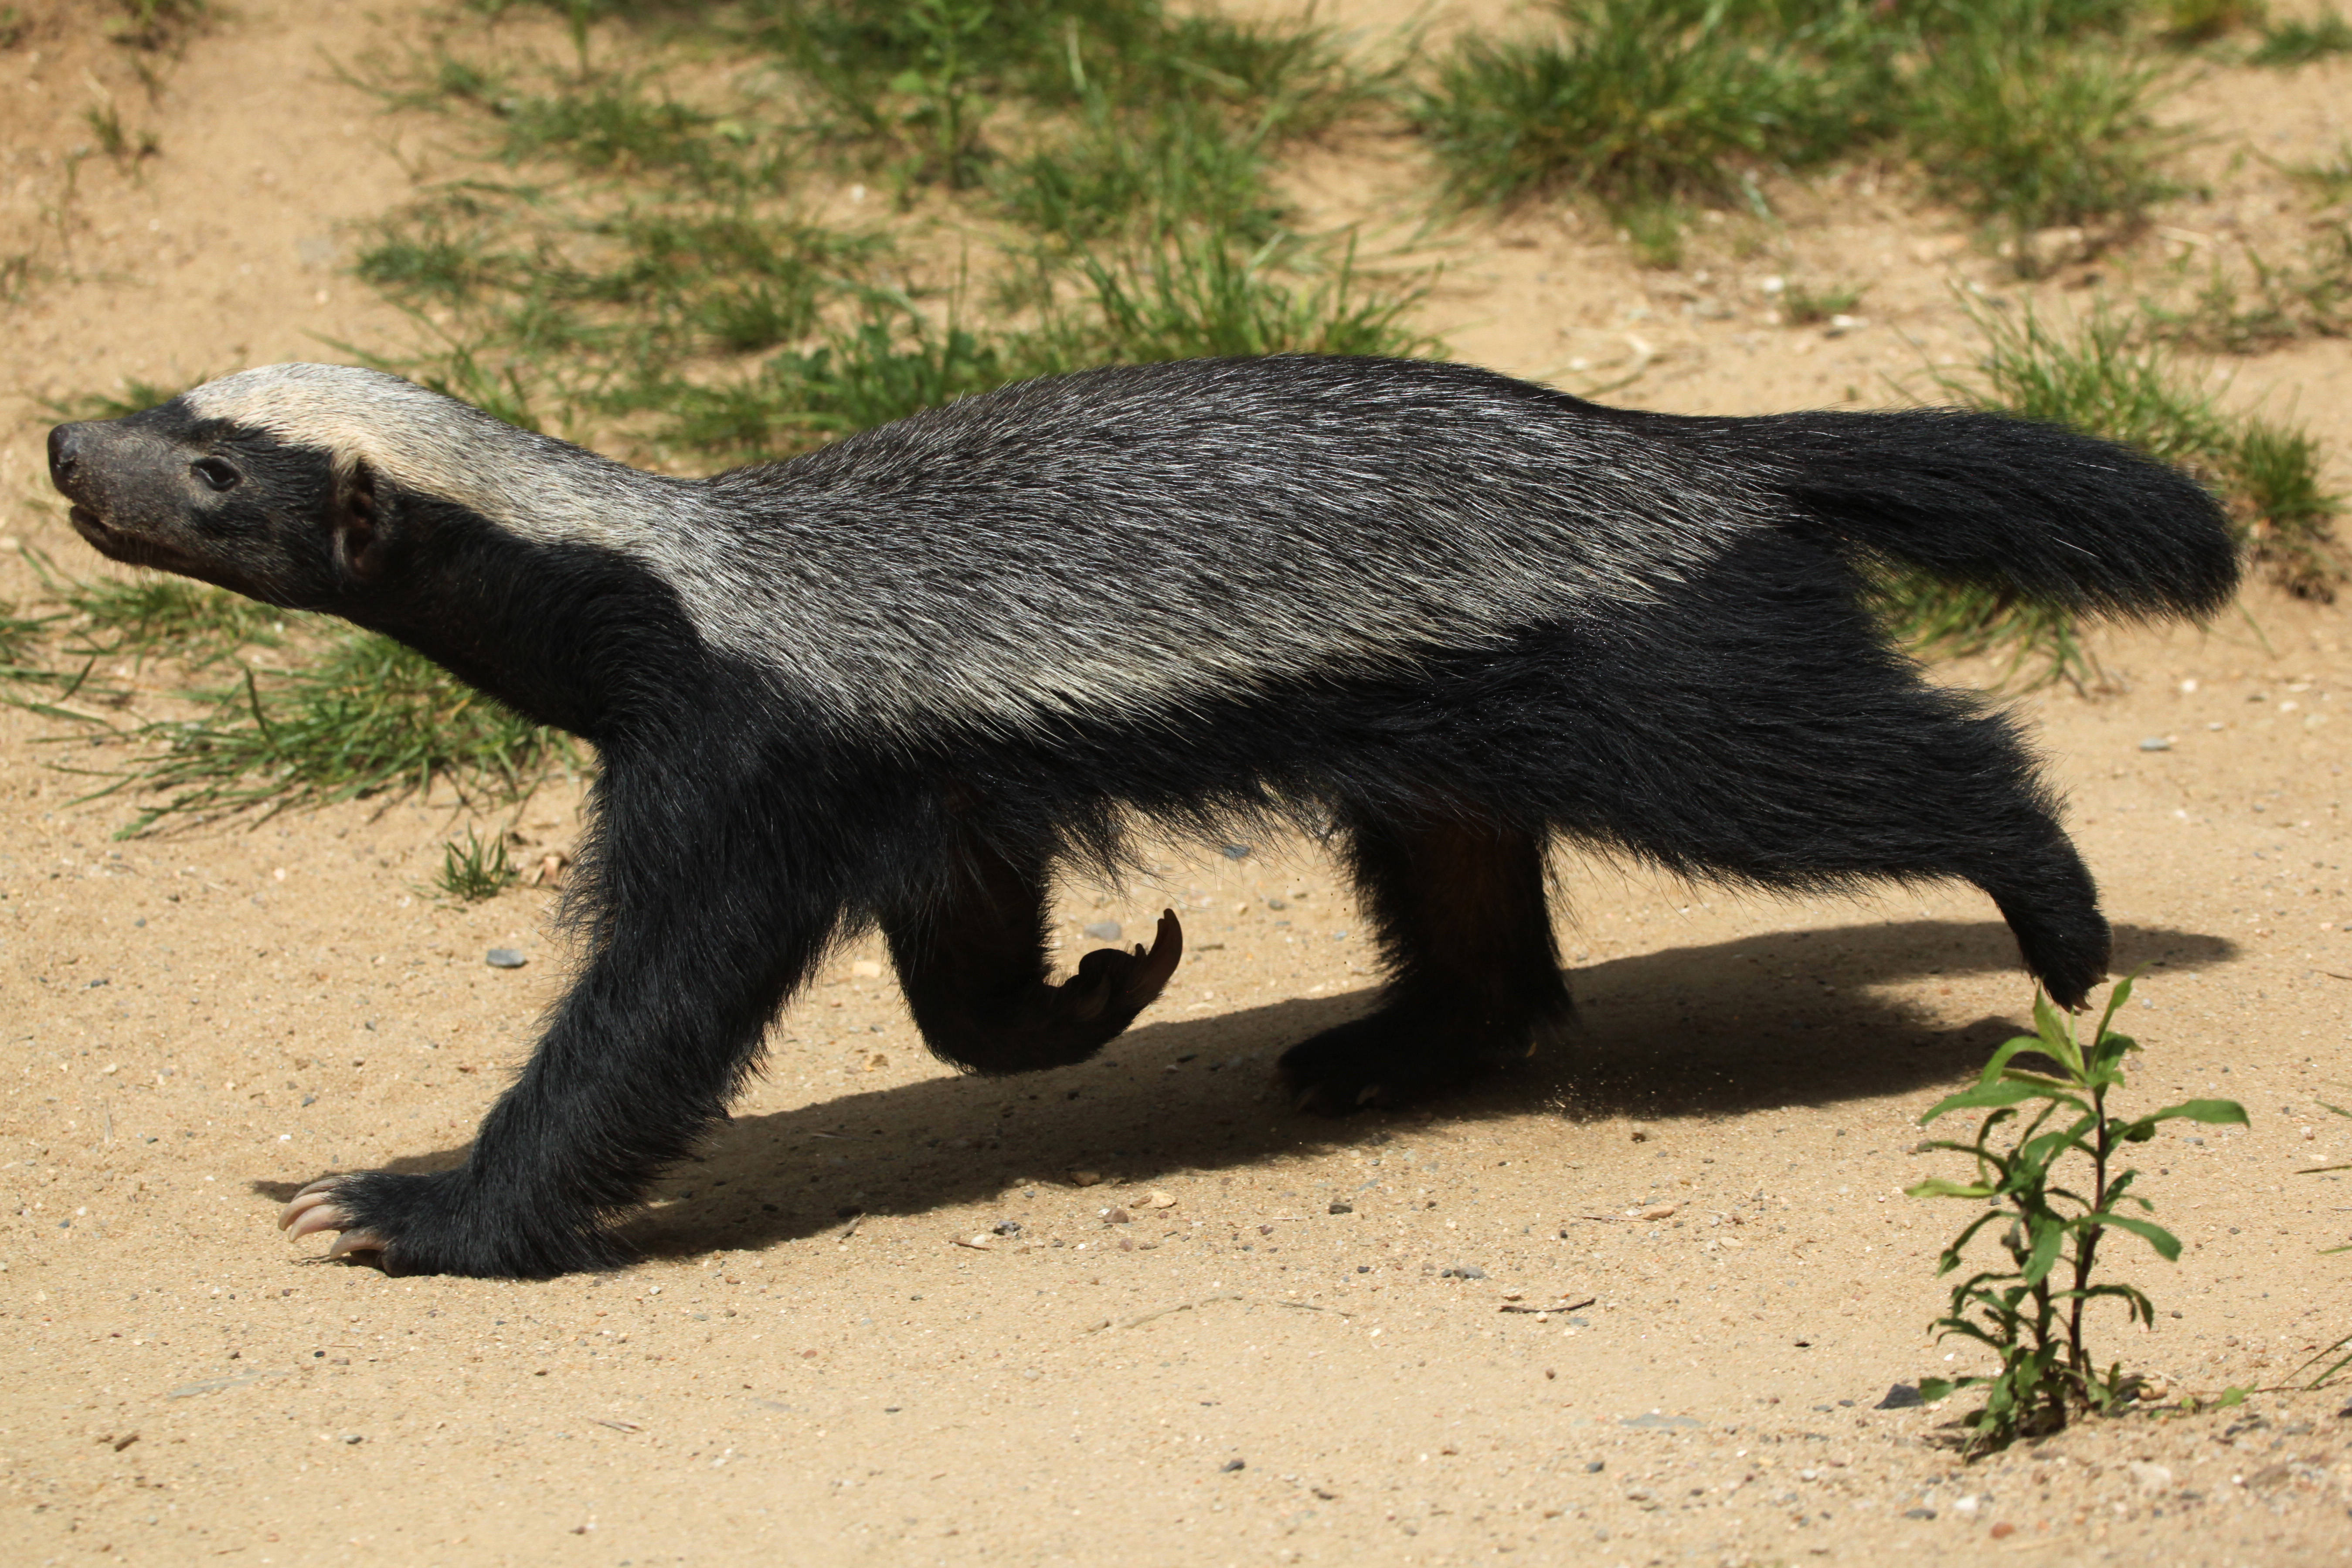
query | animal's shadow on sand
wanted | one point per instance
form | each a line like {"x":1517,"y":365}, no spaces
{"x":1687,"y":1034}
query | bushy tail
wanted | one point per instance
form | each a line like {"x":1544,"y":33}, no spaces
{"x":2006,"y":503}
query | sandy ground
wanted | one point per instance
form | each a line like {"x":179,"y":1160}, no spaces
{"x":1199,"y":1329}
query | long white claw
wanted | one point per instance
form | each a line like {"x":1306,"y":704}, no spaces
{"x":356,"y":1241}
{"x":321,"y":1185}
{"x":325,"y":1216}
{"x":309,"y":1198}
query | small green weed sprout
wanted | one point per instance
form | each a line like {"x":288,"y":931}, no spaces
{"x":2029,"y":1312}
{"x":2299,"y":42}
{"x":474,"y":870}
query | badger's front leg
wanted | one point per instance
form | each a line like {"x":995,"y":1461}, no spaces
{"x":701,"y":926}
{"x":973,"y":962}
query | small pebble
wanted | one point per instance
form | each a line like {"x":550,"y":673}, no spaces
{"x":1159,"y":1200}
{"x":1918,"y":1513}
{"x":1084,"y":1178}
{"x":1657,"y":1210}
{"x":1103,"y":930}
{"x":2156,"y":744}
{"x":1461,"y":1271}
{"x":1596,"y":1466}
{"x":1342,"y":1206}
{"x":1230,"y":1465}
{"x":2004,"y":1530}
{"x":1116,"y":1216}
{"x":506,"y":958}
{"x":1237,"y":852}
{"x":1007,"y":1228}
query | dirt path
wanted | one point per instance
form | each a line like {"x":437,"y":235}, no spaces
{"x":1260,"y":1354}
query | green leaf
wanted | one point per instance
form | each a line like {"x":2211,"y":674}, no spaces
{"x":2049,"y":1234}
{"x":2232,"y":1396}
{"x":2009,"y":1048}
{"x":1938,"y":1187}
{"x":1931,"y":1389}
{"x":2118,"y":998}
{"x":2057,"y":1033}
{"x":2167,"y":1245}
{"x":2206,"y":1110}
{"x":1983,"y":1095}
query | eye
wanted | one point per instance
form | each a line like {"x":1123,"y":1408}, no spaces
{"x":215,"y":473}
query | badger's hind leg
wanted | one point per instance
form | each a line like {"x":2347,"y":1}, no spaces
{"x":973,"y":965}
{"x":1459,"y":910}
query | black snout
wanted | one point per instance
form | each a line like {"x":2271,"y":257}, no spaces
{"x":65,"y":455}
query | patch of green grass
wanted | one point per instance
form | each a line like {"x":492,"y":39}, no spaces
{"x":2331,"y":182}
{"x":2185,"y":23}
{"x":2051,"y":1197}
{"x":157,"y":24}
{"x":892,"y":363}
{"x":368,"y":718}
{"x":2299,"y":43}
{"x":2025,"y":129}
{"x":122,"y":146}
{"x":1643,"y":100}
{"x":1804,"y":304}
{"x":476,"y":869}
{"x":1111,"y":171}
{"x":1203,"y":294}
{"x":150,"y":618}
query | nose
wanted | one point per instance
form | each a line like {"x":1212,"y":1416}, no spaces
{"x":65,"y":451}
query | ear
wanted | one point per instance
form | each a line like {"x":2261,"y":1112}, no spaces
{"x":359,"y":520}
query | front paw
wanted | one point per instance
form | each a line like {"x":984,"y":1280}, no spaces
{"x":321,"y":1206}
{"x":440,"y":1224}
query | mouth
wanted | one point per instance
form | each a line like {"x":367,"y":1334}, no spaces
{"x":130,"y":549}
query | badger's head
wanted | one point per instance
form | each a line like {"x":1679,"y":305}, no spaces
{"x":282,"y":483}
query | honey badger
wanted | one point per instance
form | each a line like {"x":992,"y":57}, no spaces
{"x":1446,"y":615}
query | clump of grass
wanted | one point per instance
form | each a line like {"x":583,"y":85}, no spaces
{"x":895,"y":361}
{"x":2269,"y":303}
{"x":1202,"y":294}
{"x":155,"y":25}
{"x":2184,"y":23}
{"x":2026,"y":128}
{"x":2052,"y":1194}
{"x":1803,"y":304}
{"x":153,"y":616}
{"x":122,"y":146}
{"x":1113,"y":171}
{"x":476,"y":869}
{"x":1643,"y":100}
{"x":2297,"y":42}
{"x":2341,"y":1350}
{"x":368,"y":718}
